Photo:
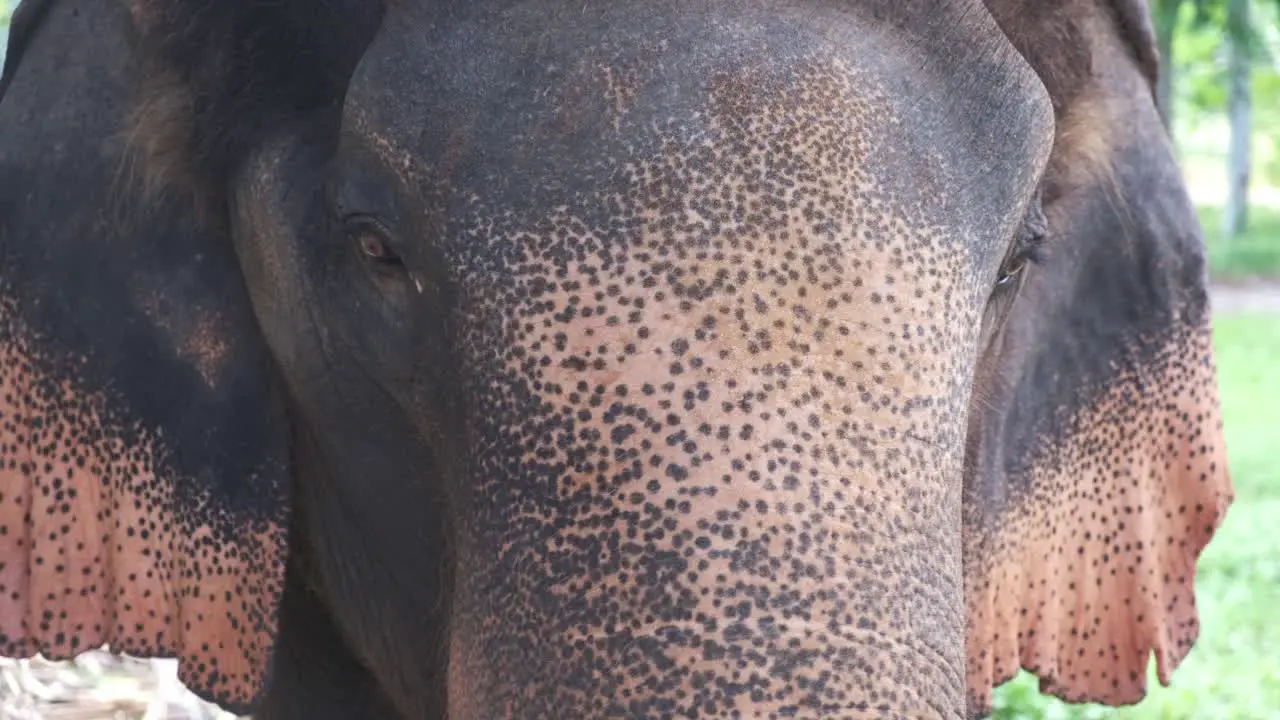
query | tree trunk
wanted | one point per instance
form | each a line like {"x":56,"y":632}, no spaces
{"x":1166,"y":19}
{"x":1239,"y":107}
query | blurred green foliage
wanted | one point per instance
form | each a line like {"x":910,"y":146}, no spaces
{"x":6,"y":11}
{"x":1253,"y":254}
{"x":1200,"y":80}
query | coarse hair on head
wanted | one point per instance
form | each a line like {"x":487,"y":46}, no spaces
{"x":219,"y":76}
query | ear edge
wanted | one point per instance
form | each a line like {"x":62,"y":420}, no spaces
{"x":82,"y":490}
{"x":1155,"y":596}
{"x":22,"y":28}
{"x":1133,"y":18}
{"x":203,"y":109}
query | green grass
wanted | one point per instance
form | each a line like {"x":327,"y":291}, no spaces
{"x":1253,"y":254}
{"x":1234,"y":670}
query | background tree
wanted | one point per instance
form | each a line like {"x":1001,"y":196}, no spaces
{"x":1239,"y":43}
{"x":1241,"y":47}
{"x":1165,"y":17}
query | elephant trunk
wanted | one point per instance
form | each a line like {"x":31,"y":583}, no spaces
{"x":780,"y":540}
{"x":804,"y":602}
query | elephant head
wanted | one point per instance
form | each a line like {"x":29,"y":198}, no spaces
{"x":800,"y":359}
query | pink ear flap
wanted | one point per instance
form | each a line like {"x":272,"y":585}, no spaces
{"x":1092,"y":567}
{"x":104,"y":540}
{"x":143,"y":443}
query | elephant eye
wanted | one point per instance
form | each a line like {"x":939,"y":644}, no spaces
{"x":1028,"y":247}
{"x":1011,"y":271}
{"x":371,"y":240}
{"x":1026,"y":253}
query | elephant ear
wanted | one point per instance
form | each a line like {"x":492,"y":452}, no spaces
{"x":1099,"y":470}
{"x":143,"y":443}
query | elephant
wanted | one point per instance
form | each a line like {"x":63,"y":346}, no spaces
{"x":539,"y":359}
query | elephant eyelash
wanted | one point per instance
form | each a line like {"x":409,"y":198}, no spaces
{"x":372,"y":239}
{"x":1029,"y":251}
{"x":1034,"y":235}
{"x":1034,"y":248}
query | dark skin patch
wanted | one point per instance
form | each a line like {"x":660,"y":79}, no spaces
{"x":202,"y":109}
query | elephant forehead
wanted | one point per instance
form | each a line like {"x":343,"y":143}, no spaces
{"x":751,"y":316}
{"x":769,"y":222}
{"x":563,"y":113}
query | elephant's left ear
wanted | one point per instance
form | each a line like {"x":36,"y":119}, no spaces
{"x":1100,"y":467}
{"x":143,"y":443}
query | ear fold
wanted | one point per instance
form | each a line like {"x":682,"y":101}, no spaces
{"x":143,"y":444}
{"x":26,"y":16}
{"x":220,"y":76}
{"x":1136,"y":29}
{"x":1100,"y":469}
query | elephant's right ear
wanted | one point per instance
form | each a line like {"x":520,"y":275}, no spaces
{"x":1100,"y":466}
{"x":143,"y":440}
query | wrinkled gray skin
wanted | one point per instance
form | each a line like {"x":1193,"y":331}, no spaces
{"x":678,"y":363}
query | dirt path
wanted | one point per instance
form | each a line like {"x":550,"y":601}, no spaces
{"x":1250,"y":296}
